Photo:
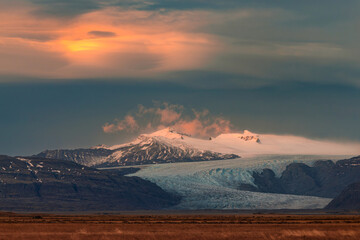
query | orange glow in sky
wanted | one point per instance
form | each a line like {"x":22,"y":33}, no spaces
{"x":82,"y":45}
{"x":119,"y":43}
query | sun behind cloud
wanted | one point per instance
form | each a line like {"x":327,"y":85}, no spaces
{"x":82,"y":45}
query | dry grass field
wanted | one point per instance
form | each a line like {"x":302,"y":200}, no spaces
{"x":235,"y":226}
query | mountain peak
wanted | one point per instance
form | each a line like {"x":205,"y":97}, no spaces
{"x":100,"y":146}
{"x":247,"y":132}
{"x":246,"y":136}
{"x":168,"y":132}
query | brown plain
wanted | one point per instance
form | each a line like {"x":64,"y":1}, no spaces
{"x":177,"y":226}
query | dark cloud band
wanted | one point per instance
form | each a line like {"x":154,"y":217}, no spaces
{"x":101,"y":34}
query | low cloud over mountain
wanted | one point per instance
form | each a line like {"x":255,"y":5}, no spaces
{"x":162,"y":115}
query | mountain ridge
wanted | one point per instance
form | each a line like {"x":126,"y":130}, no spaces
{"x":324,"y":178}
{"x":39,"y":184}
{"x":167,"y":146}
{"x":164,"y":146}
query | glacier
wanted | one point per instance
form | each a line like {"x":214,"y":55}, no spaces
{"x":214,"y":184}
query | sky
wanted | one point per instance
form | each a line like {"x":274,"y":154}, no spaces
{"x":85,"y":72}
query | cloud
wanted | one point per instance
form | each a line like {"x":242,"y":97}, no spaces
{"x":162,"y":115}
{"x":75,"y":8}
{"x":38,"y":37}
{"x":107,"y":43}
{"x":254,"y":44}
{"x":65,"y":8}
{"x":128,"y":123}
{"x":27,"y":60}
{"x":101,"y":34}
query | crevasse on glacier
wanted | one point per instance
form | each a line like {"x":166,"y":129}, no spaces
{"x":214,"y":184}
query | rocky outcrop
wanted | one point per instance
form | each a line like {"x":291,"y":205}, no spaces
{"x":348,"y":199}
{"x":323,"y":179}
{"x":87,"y":157}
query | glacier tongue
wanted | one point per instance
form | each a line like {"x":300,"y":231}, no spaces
{"x":214,"y":185}
{"x":205,"y":197}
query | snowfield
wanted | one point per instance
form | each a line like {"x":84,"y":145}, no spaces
{"x":213,"y":184}
{"x":249,"y":144}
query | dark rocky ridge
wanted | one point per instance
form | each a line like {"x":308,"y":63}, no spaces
{"x":37,"y":184}
{"x":349,"y":199}
{"x":323,"y":179}
{"x":81,"y":156}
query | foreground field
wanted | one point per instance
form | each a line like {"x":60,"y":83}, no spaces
{"x":250,"y":226}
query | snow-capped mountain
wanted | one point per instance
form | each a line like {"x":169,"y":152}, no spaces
{"x":164,"y":146}
{"x":167,"y":146}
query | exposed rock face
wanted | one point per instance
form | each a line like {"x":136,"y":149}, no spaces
{"x":81,"y":156}
{"x":267,"y":182}
{"x":36,"y":184}
{"x":324,"y":179}
{"x":348,"y":199}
